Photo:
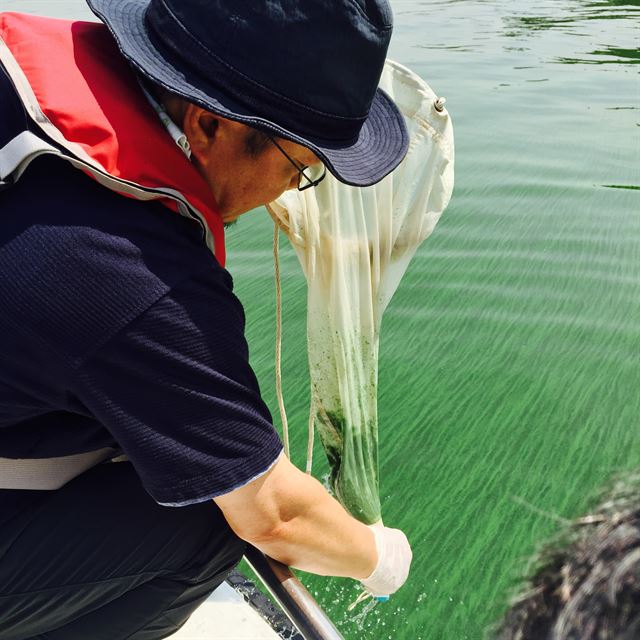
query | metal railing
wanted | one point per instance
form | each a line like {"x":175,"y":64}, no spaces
{"x":299,"y":605}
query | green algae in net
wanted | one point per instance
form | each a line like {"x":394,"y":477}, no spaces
{"x":354,"y":245}
{"x":357,"y":491}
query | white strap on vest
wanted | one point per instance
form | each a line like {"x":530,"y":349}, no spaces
{"x":38,"y":473}
{"x":75,"y":153}
{"x":16,"y":155}
{"x":45,"y":474}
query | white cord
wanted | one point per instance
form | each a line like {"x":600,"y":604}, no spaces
{"x":312,"y":420}
{"x":283,"y":413}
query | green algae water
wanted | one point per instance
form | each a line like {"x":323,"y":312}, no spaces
{"x":509,"y":363}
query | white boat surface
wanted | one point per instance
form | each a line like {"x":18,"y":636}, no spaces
{"x":225,"y":615}
{"x":238,"y":610}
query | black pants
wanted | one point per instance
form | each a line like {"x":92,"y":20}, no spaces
{"x":98,"y":559}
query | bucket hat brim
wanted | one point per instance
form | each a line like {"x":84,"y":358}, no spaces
{"x":378,"y":149}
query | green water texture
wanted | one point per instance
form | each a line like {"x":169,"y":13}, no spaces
{"x":509,"y":364}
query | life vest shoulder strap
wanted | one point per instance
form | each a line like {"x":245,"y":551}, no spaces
{"x":116,"y":151}
{"x":18,"y":153}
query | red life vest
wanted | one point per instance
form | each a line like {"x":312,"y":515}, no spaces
{"x":84,"y":96}
{"x":81,"y":94}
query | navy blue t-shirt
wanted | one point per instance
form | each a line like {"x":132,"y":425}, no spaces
{"x":119,"y":328}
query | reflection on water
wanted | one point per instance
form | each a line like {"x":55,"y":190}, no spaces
{"x":562,"y":15}
{"x":609,"y":24}
{"x":614,"y":54}
{"x":582,"y":19}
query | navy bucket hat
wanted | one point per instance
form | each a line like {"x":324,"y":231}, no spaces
{"x":304,"y":70}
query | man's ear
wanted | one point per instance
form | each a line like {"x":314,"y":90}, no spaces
{"x":200,"y":127}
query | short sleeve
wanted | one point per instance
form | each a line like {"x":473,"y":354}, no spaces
{"x":176,"y":391}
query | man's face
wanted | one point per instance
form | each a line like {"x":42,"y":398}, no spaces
{"x":240,"y":180}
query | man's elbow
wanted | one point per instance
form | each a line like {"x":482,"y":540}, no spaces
{"x":256,"y":522}
{"x":266,"y":511}
{"x":273,"y":536}
{"x":264,"y":532}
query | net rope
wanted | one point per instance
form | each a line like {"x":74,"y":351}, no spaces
{"x":278,"y":362}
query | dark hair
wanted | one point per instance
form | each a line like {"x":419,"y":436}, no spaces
{"x":256,"y":142}
{"x":587,"y":585}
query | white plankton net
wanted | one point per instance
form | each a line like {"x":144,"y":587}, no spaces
{"x":354,"y":245}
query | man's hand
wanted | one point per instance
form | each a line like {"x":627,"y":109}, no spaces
{"x":394,"y":560}
{"x":289,"y":515}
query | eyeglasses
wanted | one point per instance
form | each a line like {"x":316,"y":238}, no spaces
{"x":308,"y":176}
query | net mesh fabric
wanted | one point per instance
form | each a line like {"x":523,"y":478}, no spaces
{"x":354,"y":245}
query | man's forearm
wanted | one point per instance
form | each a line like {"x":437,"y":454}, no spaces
{"x":322,"y":539}
{"x":291,"y":517}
